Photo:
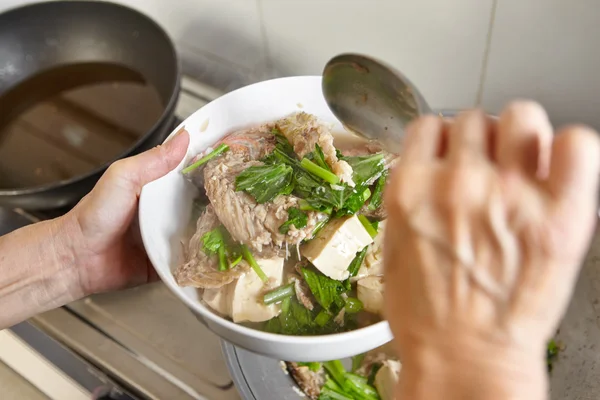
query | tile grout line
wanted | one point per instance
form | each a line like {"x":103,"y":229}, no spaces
{"x":263,"y":33}
{"x":211,"y":56}
{"x":486,"y":54}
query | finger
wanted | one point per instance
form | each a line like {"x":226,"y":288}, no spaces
{"x":524,"y":139}
{"x":575,"y":166}
{"x":423,"y":139}
{"x":148,"y":166}
{"x":115,"y":196}
{"x":469,"y":136}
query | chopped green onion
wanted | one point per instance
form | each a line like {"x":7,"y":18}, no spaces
{"x":357,"y":261}
{"x":367,"y":224}
{"x":353,"y":305}
{"x":235,"y":261}
{"x":336,"y":370}
{"x":330,"y":384}
{"x":313,"y":366}
{"x":223,"y":265}
{"x":374,"y":370}
{"x":375,"y":225}
{"x":285,"y":308}
{"x":220,"y":149}
{"x":250,"y":260}
{"x":279,"y":294}
{"x":322,"y":173}
{"x":357,"y":361}
{"x":327,"y":393}
{"x":285,"y":305}
{"x":366,"y":194}
{"x":322,"y":318}
{"x":360,"y":386}
{"x":377,"y":198}
{"x":319,"y":226}
{"x":305,"y":205}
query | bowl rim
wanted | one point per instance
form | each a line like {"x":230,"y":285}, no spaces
{"x":196,"y":306}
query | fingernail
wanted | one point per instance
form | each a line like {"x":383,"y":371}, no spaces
{"x":176,"y":135}
{"x":174,"y":140}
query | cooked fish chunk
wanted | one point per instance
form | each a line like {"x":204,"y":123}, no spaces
{"x":376,"y":357}
{"x":251,"y":144}
{"x":199,"y":269}
{"x":303,"y":293}
{"x":248,"y":144}
{"x":370,"y":292}
{"x":335,"y":246}
{"x":250,"y":223}
{"x":310,"y":382}
{"x":248,"y":291}
{"x":379,"y":214}
{"x":387,"y":378}
{"x":304,"y":131}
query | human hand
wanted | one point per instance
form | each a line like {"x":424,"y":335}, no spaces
{"x":488,"y":225}
{"x":102,"y":238}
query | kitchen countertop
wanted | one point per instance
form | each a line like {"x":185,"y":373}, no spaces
{"x":15,"y":387}
{"x":575,"y":374}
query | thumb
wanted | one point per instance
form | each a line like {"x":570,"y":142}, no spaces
{"x":137,"y":171}
{"x":110,"y":207}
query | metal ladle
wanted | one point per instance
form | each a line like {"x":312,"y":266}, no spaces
{"x":371,"y":99}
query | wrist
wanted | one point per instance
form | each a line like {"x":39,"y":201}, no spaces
{"x":38,"y":271}
{"x":67,"y":245}
{"x":460,"y":368}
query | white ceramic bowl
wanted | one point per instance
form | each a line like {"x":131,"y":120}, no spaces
{"x":165,"y":212}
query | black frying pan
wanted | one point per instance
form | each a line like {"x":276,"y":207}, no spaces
{"x":45,"y":37}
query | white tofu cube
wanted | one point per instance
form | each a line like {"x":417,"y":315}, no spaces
{"x":370,"y":292}
{"x":336,"y":245}
{"x":387,"y":378}
{"x":219,"y":299}
{"x":373,"y":263}
{"x":248,"y":291}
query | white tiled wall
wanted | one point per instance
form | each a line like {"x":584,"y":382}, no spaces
{"x":438,"y":44}
{"x":547,"y":50}
{"x":459,"y":52}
